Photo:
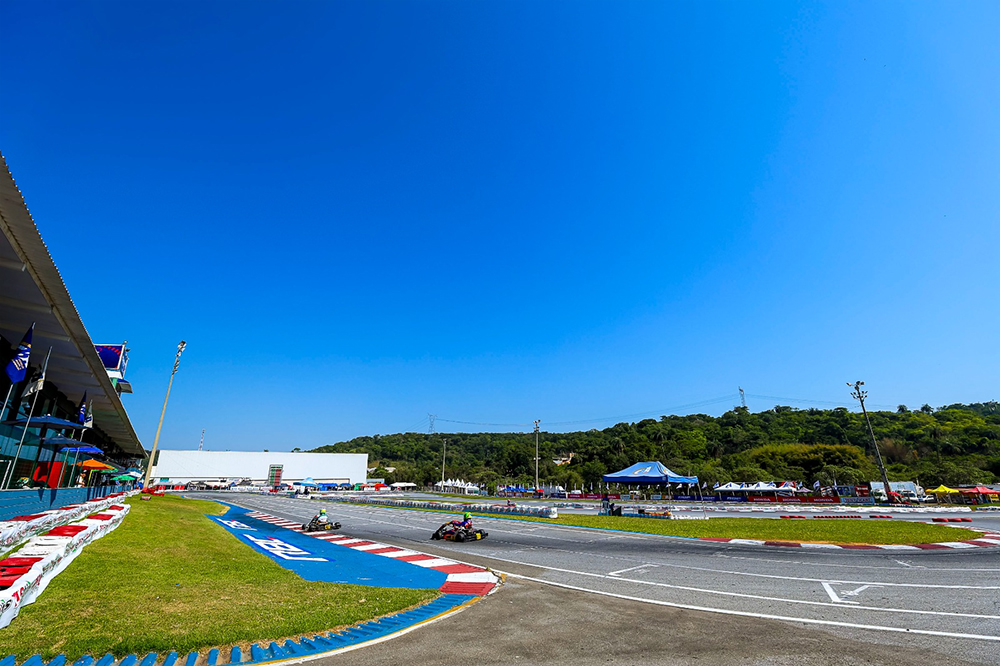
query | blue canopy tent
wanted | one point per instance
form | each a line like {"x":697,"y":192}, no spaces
{"x":648,"y":473}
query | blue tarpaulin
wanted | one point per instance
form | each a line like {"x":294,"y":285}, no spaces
{"x":648,"y":473}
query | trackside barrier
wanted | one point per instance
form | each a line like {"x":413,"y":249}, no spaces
{"x":15,"y":530}
{"x":314,"y":645}
{"x":879,"y":515}
{"x":952,"y":520}
{"x":849,"y":516}
{"x":26,"y":575}
{"x":537,"y":512}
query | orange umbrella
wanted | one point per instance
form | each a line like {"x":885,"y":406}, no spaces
{"x":94,"y":464}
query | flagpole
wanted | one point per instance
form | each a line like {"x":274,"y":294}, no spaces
{"x":10,"y":472}
{"x":6,"y":400}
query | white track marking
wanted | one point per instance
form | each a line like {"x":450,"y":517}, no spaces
{"x":764,"y":616}
{"x":723,"y":593}
{"x":641,"y":566}
{"x":833,"y":595}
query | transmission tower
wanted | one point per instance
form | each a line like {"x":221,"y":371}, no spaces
{"x":202,"y":442}
{"x":743,"y":398}
{"x":430,"y":420}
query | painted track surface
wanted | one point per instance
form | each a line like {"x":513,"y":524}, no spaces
{"x":947,"y":600}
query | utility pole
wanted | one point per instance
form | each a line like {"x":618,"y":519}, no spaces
{"x":859,"y":394}
{"x":536,"y":453}
{"x":202,"y":442}
{"x":444,"y":455}
{"x":156,"y":440}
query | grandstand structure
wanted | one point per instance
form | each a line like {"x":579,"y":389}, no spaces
{"x":33,"y":295}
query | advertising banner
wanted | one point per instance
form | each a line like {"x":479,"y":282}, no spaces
{"x":796,"y":500}
{"x":857,"y":500}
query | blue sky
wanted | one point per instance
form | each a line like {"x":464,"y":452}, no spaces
{"x":359,"y":213}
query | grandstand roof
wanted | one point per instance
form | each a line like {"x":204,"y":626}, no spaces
{"x":33,"y":291}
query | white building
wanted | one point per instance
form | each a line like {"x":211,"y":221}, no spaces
{"x":183,"y":466}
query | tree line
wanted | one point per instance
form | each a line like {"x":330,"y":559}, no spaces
{"x":954,"y":445}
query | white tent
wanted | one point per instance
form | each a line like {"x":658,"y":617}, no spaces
{"x":404,"y":484}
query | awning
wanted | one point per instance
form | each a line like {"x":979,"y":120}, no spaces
{"x":942,"y":489}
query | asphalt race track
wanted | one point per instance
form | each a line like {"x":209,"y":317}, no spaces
{"x":943,"y":603}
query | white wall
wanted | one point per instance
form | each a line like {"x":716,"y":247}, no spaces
{"x":184,"y":466}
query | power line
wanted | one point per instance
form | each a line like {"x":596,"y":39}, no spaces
{"x":810,"y":401}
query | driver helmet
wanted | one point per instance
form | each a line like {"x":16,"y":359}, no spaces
{"x":322,"y":512}
{"x":467,"y":515}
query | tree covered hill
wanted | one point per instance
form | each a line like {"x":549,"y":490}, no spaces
{"x":956,"y":444}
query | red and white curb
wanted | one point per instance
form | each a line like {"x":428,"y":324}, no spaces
{"x":988,"y":540}
{"x":462,"y":578}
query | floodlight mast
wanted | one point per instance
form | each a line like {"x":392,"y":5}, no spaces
{"x":156,"y":440}
{"x":859,"y":394}
{"x":536,"y":453}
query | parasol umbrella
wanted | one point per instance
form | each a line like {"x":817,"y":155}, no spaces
{"x":47,"y":421}
{"x":95,"y":464}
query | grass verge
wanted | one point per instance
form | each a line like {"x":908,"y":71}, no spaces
{"x":839,"y":531}
{"x":171,"y":579}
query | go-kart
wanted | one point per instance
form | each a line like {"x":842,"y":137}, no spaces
{"x":315,"y":526}
{"x":450,"y":532}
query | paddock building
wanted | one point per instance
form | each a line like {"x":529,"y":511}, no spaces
{"x":174,"y":467}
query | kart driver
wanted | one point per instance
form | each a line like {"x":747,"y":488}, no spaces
{"x":321,"y":518}
{"x":465,"y":523}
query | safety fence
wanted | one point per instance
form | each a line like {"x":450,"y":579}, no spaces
{"x":496,"y":509}
{"x":38,"y":500}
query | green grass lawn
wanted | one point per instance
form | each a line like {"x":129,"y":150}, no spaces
{"x":171,"y":579}
{"x":840,"y":531}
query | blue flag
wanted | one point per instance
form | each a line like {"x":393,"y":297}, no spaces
{"x":81,"y":414}
{"x":18,"y":365}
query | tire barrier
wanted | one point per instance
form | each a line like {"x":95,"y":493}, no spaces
{"x":498,"y":510}
{"x":952,"y":520}
{"x":849,"y":516}
{"x":15,"y":530}
{"x":28,"y":572}
{"x":260,"y":653}
{"x":793,"y":516}
{"x":879,"y":515}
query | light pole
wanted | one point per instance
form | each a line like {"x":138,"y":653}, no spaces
{"x":156,"y":440}
{"x":859,"y":394}
{"x":536,"y":453}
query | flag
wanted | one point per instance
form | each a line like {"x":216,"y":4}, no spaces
{"x":18,"y":365}
{"x":88,"y":422}
{"x":716,"y":485}
{"x":816,"y":485}
{"x":704,"y":485}
{"x":81,"y":414}
{"x":36,"y":385}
